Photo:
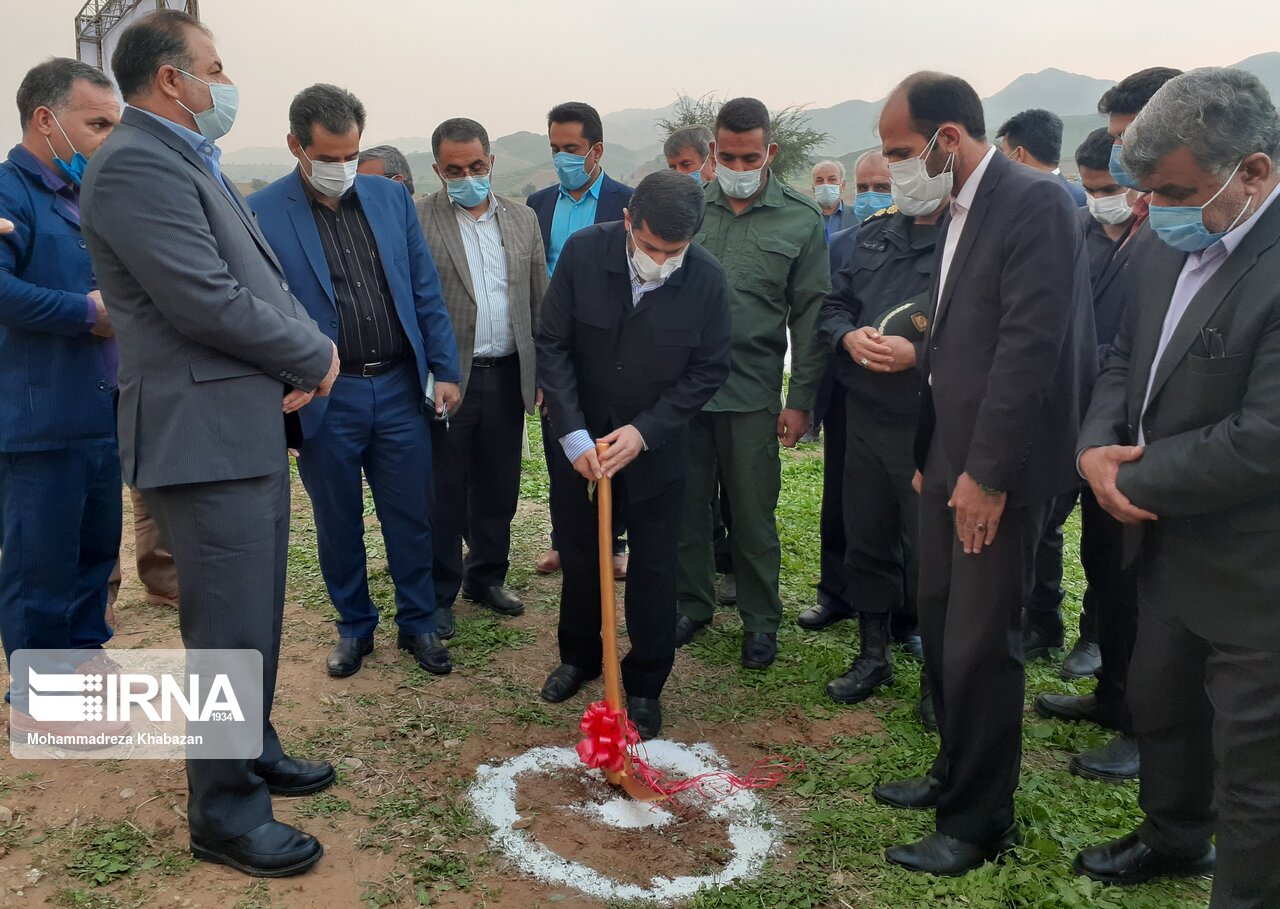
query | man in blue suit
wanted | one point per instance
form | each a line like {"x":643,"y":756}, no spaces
{"x":59,"y":465}
{"x":584,"y":195}
{"x":355,"y":256}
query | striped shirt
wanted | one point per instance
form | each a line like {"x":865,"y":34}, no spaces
{"x":487,"y":263}
{"x":369,"y":330}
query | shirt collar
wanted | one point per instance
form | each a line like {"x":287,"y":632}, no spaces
{"x":199,"y":144}
{"x":1233,"y":239}
{"x":593,"y":191}
{"x":489,"y":212}
{"x":968,"y":192}
{"x":52,"y":180}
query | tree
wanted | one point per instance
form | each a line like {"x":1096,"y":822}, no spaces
{"x":528,"y":190}
{"x":257,"y":183}
{"x":790,"y":128}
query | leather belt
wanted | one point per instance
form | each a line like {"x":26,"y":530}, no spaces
{"x":489,"y":362}
{"x":369,"y":370}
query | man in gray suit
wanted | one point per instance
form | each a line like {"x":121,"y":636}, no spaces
{"x":489,"y":254}
{"x":1184,"y":426}
{"x":211,"y":343}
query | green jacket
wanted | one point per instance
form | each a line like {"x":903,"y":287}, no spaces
{"x":774,"y":256}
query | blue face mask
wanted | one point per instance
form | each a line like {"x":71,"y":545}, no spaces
{"x":867,"y":204}
{"x":1120,"y":173}
{"x":697,"y":176}
{"x":217,"y":121}
{"x":1182,"y":226}
{"x":571,"y":170}
{"x":73,"y":170}
{"x":468,"y":191}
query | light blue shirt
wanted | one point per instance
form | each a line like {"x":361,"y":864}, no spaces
{"x":209,"y":153}
{"x":571,"y":217}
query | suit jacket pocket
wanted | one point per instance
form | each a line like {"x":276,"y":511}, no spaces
{"x":1216,"y":366}
{"x":596,"y":318}
{"x":770,"y":268}
{"x":211,"y":369}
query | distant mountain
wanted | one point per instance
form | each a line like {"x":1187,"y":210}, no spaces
{"x":635,"y":127}
{"x":1066,"y":94}
{"x":260,"y":154}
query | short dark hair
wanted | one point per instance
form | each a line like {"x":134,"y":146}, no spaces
{"x":669,"y":204}
{"x":458,"y":129}
{"x":697,"y":137}
{"x":1133,"y":92}
{"x":1095,"y":151}
{"x":50,"y":84}
{"x":334,"y":108}
{"x":578,"y":112}
{"x":1037,"y":130}
{"x":394,"y":163}
{"x":156,"y":40}
{"x":937,"y":98}
{"x":742,"y":115}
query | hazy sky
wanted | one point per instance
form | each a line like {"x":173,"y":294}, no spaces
{"x":505,"y":62}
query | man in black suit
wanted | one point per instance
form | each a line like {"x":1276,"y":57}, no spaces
{"x":1034,"y":138}
{"x":584,"y":195}
{"x":1181,"y":444}
{"x":1007,"y":360}
{"x":634,"y":340}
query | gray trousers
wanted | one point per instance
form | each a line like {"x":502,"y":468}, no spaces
{"x":230,"y":541}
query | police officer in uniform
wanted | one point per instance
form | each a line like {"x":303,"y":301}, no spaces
{"x":875,"y":319}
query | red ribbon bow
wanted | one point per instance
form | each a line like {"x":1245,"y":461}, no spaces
{"x":606,"y":741}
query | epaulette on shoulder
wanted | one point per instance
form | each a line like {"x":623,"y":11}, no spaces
{"x":882,"y":213}
{"x":789,"y":190}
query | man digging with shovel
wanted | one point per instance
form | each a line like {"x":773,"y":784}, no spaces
{"x":633,"y":341}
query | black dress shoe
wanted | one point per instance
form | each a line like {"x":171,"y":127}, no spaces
{"x":347,"y":656}
{"x":940,"y":854}
{"x":646,"y":713}
{"x":1039,"y":643}
{"x":1083,"y":708}
{"x":499,"y":599}
{"x":564,"y":682}
{"x":917,"y":792}
{"x":759,"y":650}
{"x":296,"y":776}
{"x":444,"y":622}
{"x":1113,"y":762}
{"x":1128,"y":860}
{"x":429,"y":651}
{"x":687,"y":628}
{"x":272,"y":850}
{"x":1084,"y":660}
{"x":824,"y":615}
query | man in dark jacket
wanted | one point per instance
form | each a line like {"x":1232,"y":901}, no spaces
{"x":634,"y":340}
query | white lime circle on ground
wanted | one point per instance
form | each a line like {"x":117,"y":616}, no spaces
{"x":752,"y":829}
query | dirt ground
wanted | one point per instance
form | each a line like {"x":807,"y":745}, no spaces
{"x":397,"y":827}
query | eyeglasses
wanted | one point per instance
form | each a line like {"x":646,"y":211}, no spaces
{"x":457,"y":173}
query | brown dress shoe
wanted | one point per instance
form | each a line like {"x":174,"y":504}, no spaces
{"x":548,"y":562}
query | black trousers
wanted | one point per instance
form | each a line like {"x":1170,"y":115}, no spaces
{"x":476,"y":476}
{"x":230,"y":543}
{"x":1111,"y":597}
{"x":1044,"y":605}
{"x":1207,"y":720}
{"x":881,"y":514}
{"x":558,"y":469}
{"x":970,"y":621}
{"x":650,"y":591}
{"x":833,"y":581}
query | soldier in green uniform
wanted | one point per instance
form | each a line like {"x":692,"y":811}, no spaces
{"x":875,"y":319}
{"x":770,"y":240}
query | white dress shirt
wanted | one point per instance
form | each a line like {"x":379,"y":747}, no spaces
{"x":1196,"y":272}
{"x":960,"y":206}
{"x":487,"y":262}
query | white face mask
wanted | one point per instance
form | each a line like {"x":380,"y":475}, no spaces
{"x":1110,"y":209}
{"x":741,"y":184}
{"x":827,"y":194}
{"x":334,"y":178}
{"x":915,"y":192}
{"x":649,"y":271}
